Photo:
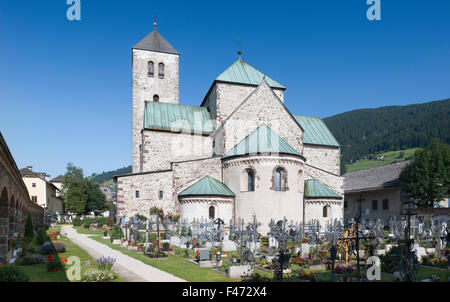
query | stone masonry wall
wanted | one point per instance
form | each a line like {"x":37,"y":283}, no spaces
{"x":144,"y":87}
{"x":148,"y":185}
{"x":323,"y":157}
{"x":262,"y":107}
{"x":162,"y":148}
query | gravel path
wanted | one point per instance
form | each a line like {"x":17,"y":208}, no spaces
{"x":130,"y":269}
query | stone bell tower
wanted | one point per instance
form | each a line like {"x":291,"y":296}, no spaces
{"x":155,"y":79}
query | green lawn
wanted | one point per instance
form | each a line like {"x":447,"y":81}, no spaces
{"x":83,"y":230}
{"x":389,"y":158}
{"x":175,"y":265}
{"x":39,"y":273}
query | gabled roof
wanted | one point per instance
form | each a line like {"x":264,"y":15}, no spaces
{"x":155,"y":42}
{"x":177,"y":117}
{"x":58,"y":178}
{"x":207,"y":186}
{"x":243,"y":73}
{"x":374,"y":178}
{"x":316,"y":189}
{"x":316,"y":131}
{"x":261,"y":141}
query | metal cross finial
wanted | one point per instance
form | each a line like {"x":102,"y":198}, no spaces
{"x":239,"y":45}
{"x":155,"y":19}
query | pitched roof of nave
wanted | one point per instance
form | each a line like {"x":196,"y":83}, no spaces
{"x":207,"y":186}
{"x":155,"y":42}
{"x":178,"y":117}
{"x":243,"y":73}
{"x":262,"y":141}
{"x":316,"y":189}
{"x":316,"y":131}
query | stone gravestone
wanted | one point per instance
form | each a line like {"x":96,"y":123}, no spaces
{"x":204,"y":254}
{"x":228,"y":246}
{"x":304,"y":250}
{"x":273,"y":242}
{"x":175,"y":241}
{"x":183,"y":241}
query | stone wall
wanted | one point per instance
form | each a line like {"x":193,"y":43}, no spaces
{"x":393,"y":195}
{"x":144,"y":87}
{"x":188,"y":172}
{"x":161,"y":148}
{"x":198,"y":208}
{"x":262,"y":107}
{"x":265,"y":201}
{"x":334,"y":182}
{"x":314,"y":210}
{"x":323,"y":157}
{"x":149,"y":185}
{"x":15,"y":203}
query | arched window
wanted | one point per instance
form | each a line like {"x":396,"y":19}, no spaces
{"x":301,"y":183}
{"x":280,"y":179}
{"x":211,"y":212}
{"x":156,"y":98}
{"x":151,"y":69}
{"x":161,"y":70}
{"x":326,"y":211}
{"x":248,"y":180}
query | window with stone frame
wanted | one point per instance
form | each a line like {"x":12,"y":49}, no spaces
{"x":161,"y":70}
{"x":325,"y":211}
{"x":385,"y":204}
{"x":374,"y":204}
{"x":212,"y":213}
{"x":279,"y":180}
{"x":156,"y":98}
{"x":345,"y":204}
{"x":34,"y":199}
{"x":33,"y":185}
{"x":248,"y":180}
{"x":151,"y":69}
{"x":161,"y":194}
{"x":136,"y":194}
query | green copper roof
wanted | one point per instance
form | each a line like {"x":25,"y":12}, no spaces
{"x":207,"y":186}
{"x":241,"y":72}
{"x":262,"y":140}
{"x":315,"y":189}
{"x":176,"y":117}
{"x":316,"y":132}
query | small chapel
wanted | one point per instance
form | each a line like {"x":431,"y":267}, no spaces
{"x":239,"y":153}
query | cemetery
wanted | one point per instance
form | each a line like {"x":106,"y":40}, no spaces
{"x":412,"y":249}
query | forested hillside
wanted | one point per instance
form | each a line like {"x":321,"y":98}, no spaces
{"x":368,"y":131}
{"x":106,"y":176}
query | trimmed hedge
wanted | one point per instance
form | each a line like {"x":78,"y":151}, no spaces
{"x":10,"y":273}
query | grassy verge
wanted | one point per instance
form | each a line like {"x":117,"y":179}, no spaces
{"x":389,"y":158}
{"x":39,"y":273}
{"x":175,"y":265}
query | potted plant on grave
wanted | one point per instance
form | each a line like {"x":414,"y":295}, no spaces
{"x":55,"y":264}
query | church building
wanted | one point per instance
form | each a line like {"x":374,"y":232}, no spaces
{"x":240,"y":153}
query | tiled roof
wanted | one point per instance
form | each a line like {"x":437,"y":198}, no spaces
{"x":243,"y":73}
{"x":316,"y":189}
{"x":207,"y":186}
{"x":155,"y":42}
{"x":374,"y":178}
{"x":177,"y":117}
{"x":316,"y":131}
{"x":261,"y":141}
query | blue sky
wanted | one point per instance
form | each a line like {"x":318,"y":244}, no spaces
{"x":65,"y":86}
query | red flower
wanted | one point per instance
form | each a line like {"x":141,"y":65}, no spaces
{"x":65,"y":260}
{"x":49,"y":257}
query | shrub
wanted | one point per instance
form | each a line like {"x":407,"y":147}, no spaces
{"x":59,"y":247}
{"x":9,"y":273}
{"x":55,"y":264}
{"x":42,"y":236}
{"x":47,"y":248}
{"x":33,"y":259}
{"x":387,"y":261}
{"x":29,"y":227}
{"x":27,"y":240}
{"x":116,"y":233}
{"x":76,"y":221}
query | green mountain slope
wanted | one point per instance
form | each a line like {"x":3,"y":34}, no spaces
{"x":107,"y":176}
{"x":370,"y":131}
